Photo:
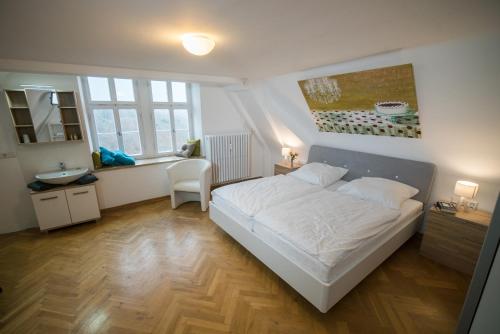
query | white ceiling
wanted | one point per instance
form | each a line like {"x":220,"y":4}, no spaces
{"x":255,"y":38}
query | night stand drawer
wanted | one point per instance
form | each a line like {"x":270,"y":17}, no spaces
{"x":285,"y":168}
{"x":453,"y":240}
{"x":280,"y":169}
{"x":456,"y":231}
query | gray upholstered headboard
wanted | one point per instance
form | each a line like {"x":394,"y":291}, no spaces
{"x":414,"y":173}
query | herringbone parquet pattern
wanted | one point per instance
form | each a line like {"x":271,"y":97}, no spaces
{"x":150,"y":269}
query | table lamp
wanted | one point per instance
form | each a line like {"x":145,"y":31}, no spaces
{"x":285,"y":152}
{"x":467,"y":191}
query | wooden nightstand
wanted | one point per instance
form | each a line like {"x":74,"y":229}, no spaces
{"x":455,"y":240}
{"x":285,"y":168}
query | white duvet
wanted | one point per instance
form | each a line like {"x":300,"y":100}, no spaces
{"x":255,"y":195}
{"x":327,"y":225}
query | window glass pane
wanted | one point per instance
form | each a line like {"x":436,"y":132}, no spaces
{"x":124,"y":90}
{"x":99,"y":89}
{"x":128,"y":120}
{"x":179,"y":92}
{"x":106,"y":128}
{"x":130,"y":131}
{"x":132,"y":143}
{"x":159,"y":90}
{"x":181,"y":121}
{"x":109,"y":141}
{"x":162,"y":119}
{"x":104,"y":121}
{"x":163,"y":131}
{"x":164,"y":141}
{"x":181,"y":138}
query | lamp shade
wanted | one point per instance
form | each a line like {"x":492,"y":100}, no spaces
{"x":466,"y":189}
{"x":198,"y":44}
{"x":285,"y":151}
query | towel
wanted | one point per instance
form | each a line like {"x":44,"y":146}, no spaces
{"x":40,"y":186}
{"x":86,"y":179}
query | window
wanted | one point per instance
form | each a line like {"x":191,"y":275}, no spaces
{"x":114,"y":114}
{"x":172,"y":119}
{"x":144,"y":118}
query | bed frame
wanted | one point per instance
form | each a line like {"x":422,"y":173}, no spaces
{"x":324,"y":295}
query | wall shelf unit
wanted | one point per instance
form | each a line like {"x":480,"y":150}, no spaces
{"x":21,"y":116}
{"x":69,"y":115}
{"x":67,"y":127}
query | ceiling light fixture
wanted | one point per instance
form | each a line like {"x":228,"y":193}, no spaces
{"x":198,"y":44}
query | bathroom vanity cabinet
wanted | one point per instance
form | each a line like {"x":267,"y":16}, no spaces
{"x":65,"y":206}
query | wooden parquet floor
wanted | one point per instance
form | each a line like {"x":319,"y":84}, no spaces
{"x":150,"y":269}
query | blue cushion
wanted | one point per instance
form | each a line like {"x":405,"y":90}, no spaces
{"x":107,"y":157}
{"x":116,"y":158}
{"x":121,"y":158}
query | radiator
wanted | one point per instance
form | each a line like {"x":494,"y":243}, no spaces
{"x":230,"y":156}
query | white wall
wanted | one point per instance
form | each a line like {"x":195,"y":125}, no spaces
{"x":16,"y":211}
{"x":458,"y":94}
{"x":7,"y":134}
{"x":128,"y":185}
{"x":219,"y":114}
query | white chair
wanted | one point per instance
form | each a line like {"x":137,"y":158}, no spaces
{"x":190,"y":181}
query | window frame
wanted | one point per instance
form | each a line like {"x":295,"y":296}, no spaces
{"x":144,"y":107}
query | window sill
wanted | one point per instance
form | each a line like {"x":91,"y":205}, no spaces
{"x":142,"y":162}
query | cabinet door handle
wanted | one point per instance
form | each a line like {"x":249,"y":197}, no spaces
{"x":81,"y":193}
{"x":48,"y":198}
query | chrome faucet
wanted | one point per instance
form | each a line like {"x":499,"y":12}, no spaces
{"x":62,"y":165}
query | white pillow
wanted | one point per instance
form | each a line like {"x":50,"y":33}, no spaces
{"x":318,"y":173}
{"x":386,"y":192}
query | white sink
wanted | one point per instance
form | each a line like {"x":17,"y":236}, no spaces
{"x":63,"y":176}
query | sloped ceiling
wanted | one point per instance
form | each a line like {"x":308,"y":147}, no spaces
{"x":255,"y":39}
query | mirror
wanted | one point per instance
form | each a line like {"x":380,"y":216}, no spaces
{"x":42,"y":107}
{"x":45,"y":114}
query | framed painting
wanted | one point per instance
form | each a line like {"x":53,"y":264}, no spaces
{"x":380,"y":102}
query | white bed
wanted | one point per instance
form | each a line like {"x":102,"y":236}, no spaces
{"x":410,"y":210}
{"x":255,"y":195}
{"x":327,"y":272}
{"x":320,"y":282}
{"x":228,"y":197}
